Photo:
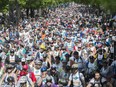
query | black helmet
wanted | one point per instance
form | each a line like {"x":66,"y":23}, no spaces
{"x":10,"y":79}
{"x":75,"y":53}
{"x":91,"y":57}
{"x":49,"y":79}
{"x":11,"y":51}
{"x":45,"y":55}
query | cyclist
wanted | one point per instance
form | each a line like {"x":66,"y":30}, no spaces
{"x":9,"y":72}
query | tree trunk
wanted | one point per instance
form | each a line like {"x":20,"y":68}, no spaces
{"x":40,"y":11}
{"x":27,"y":12}
{"x":11,"y":13}
{"x":18,"y":12}
{"x":32,"y":13}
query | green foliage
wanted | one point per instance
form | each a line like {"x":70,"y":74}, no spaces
{"x":105,"y":4}
{"x":35,"y":4}
{"x":109,"y":5}
{"x":3,"y":5}
{"x":22,"y":2}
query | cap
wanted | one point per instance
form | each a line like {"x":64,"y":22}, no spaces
{"x":75,"y":65}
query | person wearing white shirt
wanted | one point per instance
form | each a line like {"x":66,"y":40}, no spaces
{"x":37,"y":68}
{"x":112,"y":51}
{"x":76,"y":78}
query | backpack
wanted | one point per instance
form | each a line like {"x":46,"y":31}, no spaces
{"x":6,"y":77}
{"x":100,"y":83}
{"x":82,"y":71}
{"x":28,"y":81}
{"x":79,"y":78}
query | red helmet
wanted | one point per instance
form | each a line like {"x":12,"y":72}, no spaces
{"x":25,"y":67}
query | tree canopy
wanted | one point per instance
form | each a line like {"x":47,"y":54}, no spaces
{"x":109,"y":5}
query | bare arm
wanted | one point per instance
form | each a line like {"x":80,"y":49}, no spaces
{"x":49,"y":59}
{"x":69,"y":83}
{"x":89,"y":85}
{"x":40,"y":82}
{"x":3,"y":77}
{"x":15,"y":77}
{"x":83,"y":80}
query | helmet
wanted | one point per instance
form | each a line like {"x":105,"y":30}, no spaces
{"x":75,"y":53}
{"x":10,"y":79}
{"x":53,"y":67}
{"x":11,"y":51}
{"x":75,"y":66}
{"x":10,"y":66}
{"x":91,"y":57}
{"x":23,"y":79}
{"x":38,"y":62}
{"x":45,"y":55}
{"x":25,"y":67}
{"x":23,"y":60}
{"x":49,"y":79}
{"x":43,"y":69}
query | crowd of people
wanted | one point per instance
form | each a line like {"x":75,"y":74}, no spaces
{"x":72,"y":46}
